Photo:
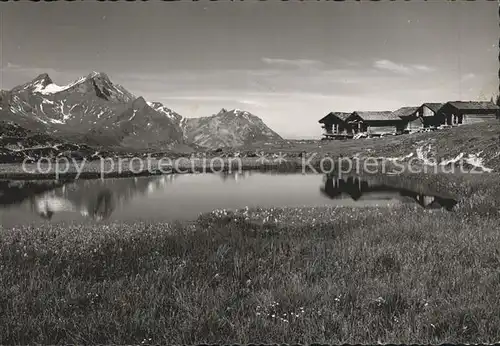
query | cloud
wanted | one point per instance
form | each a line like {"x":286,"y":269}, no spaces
{"x":204,"y":98}
{"x":391,"y":66}
{"x":300,"y":63}
{"x":406,"y":69}
{"x":252,"y":103}
{"x":423,"y":68}
{"x":11,"y":66}
{"x":467,"y":77}
{"x":27,"y":70}
{"x":259,"y":88}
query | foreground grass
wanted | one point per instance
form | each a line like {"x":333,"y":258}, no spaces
{"x":367,"y":275}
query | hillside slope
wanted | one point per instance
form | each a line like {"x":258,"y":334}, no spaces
{"x":479,"y":142}
{"x":18,"y":143}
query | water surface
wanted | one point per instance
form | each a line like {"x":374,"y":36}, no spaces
{"x":181,"y":197}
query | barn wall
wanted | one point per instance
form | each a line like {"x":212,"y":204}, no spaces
{"x":328,"y":128}
{"x":477,"y":118}
{"x":414,"y":124}
{"x":427,"y":112}
{"x":345,"y":129}
{"x":381,"y":129}
{"x":429,"y":121}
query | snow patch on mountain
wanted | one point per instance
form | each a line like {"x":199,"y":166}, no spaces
{"x":53,"y":88}
{"x":159,"y":107}
{"x":133,"y":115}
{"x":96,"y":110}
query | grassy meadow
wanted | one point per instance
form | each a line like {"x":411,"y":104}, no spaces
{"x":293,"y":275}
{"x":480,"y":138}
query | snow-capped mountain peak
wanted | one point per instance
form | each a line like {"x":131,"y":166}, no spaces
{"x":94,"y":109}
{"x":95,"y":82}
{"x":40,"y":82}
{"x":159,"y":107}
{"x":42,"y":79}
{"x":95,"y":74}
{"x":44,"y":85}
{"x":49,"y":89}
{"x":239,"y":112}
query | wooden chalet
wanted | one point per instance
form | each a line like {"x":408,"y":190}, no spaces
{"x":410,"y":117}
{"x":376,"y":122}
{"x":430,"y":114}
{"x":406,"y":119}
{"x":467,"y":112}
{"x":335,"y":125}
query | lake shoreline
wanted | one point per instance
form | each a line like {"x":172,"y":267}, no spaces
{"x":448,"y":145}
{"x":326,"y":165}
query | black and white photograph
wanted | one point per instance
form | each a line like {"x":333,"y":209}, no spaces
{"x":249,"y":172}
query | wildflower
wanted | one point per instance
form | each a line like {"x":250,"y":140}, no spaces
{"x":380,"y":301}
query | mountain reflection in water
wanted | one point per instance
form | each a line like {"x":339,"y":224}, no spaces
{"x":91,"y":199}
{"x":358,"y":189}
{"x":97,"y":199}
{"x":185,"y":196}
{"x":14,"y":192}
{"x":98,"y":208}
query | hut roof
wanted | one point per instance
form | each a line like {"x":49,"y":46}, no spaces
{"x":434,"y":106}
{"x":474,"y":105}
{"x":405,"y":111}
{"x":340,"y":115}
{"x":377,"y":115}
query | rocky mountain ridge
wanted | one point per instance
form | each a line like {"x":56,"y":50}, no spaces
{"x":227,"y":128}
{"x":95,"y":111}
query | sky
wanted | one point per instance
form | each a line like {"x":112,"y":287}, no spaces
{"x":290,"y":63}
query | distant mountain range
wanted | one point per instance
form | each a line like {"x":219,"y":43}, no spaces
{"x":96,"y":112}
{"x":228,"y":128}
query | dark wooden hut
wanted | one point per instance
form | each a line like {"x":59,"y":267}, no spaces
{"x":376,"y":122}
{"x":467,"y":112}
{"x":335,"y":125}
{"x":410,"y":117}
{"x":430,"y":114}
